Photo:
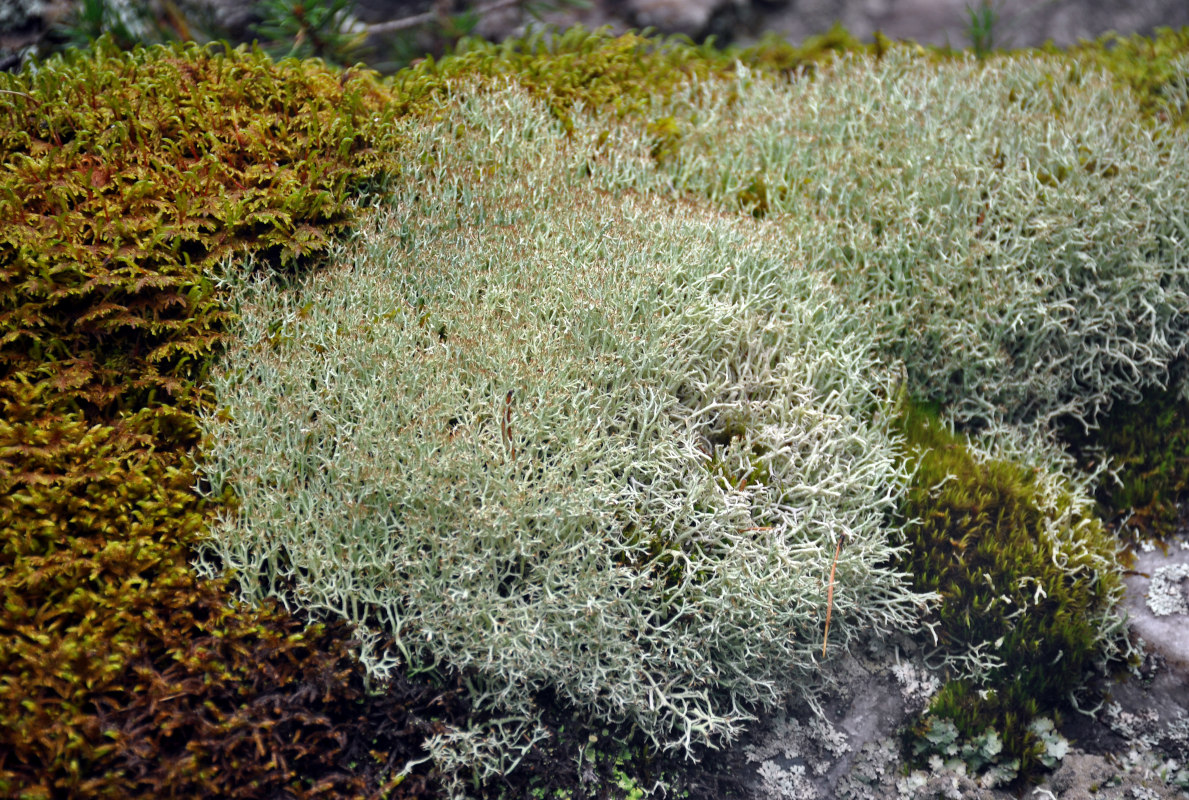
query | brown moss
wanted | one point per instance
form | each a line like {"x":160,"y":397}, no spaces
{"x":122,"y":675}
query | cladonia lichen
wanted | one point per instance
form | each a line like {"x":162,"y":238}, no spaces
{"x":562,"y":418}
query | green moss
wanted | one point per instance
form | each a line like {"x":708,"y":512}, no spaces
{"x":1021,"y":575}
{"x":1145,"y":65}
{"x":665,"y":134}
{"x":1148,"y":447}
{"x":775,"y":55}
{"x":620,"y":73}
{"x":591,"y":68}
{"x":130,"y":172}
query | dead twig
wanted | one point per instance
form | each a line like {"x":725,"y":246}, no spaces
{"x":830,"y":593}
{"x":417,"y":20}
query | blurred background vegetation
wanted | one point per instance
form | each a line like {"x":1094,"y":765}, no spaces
{"x":388,"y":35}
{"x":332,"y":30}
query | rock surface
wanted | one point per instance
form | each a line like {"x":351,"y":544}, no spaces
{"x":1158,"y":602}
{"x":1020,"y":23}
{"x":1135,"y":746}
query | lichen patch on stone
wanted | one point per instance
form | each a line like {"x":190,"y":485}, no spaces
{"x":1165,"y":594}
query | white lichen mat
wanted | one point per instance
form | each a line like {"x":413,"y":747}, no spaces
{"x":599,"y":441}
{"x":565,"y":417}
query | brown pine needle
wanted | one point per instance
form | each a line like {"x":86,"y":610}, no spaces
{"x":506,"y":424}
{"x":830,"y":596}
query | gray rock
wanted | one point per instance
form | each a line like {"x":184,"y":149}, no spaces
{"x":690,"y":17}
{"x":1020,"y":23}
{"x":1156,"y":604}
{"x":1136,"y":746}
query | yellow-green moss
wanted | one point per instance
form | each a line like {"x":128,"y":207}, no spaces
{"x":126,"y":173}
{"x":621,"y":73}
{"x":1145,"y":65}
{"x":125,"y":177}
{"x":775,"y":55}
{"x":1025,"y":576}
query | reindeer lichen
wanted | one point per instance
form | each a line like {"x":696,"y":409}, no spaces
{"x":562,"y":440}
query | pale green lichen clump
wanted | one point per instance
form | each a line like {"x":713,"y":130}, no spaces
{"x":560,"y":417}
{"x":1011,"y":229}
{"x":561,"y":438}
